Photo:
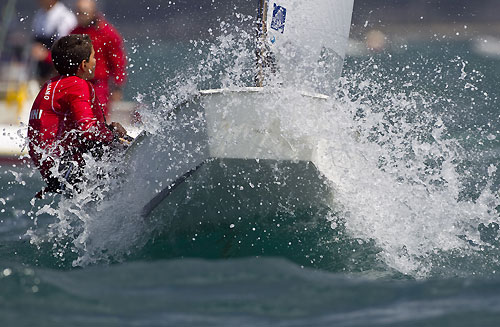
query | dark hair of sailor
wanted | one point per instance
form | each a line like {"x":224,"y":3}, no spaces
{"x":69,"y":51}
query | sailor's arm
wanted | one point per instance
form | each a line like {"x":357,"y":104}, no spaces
{"x":83,"y":116}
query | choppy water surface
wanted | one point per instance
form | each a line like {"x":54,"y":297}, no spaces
{"x":411,"y":147}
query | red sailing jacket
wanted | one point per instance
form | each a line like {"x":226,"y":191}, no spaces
{"x":109,"y":52}
{"x":65,"y":118}
{"x":110,"y":57}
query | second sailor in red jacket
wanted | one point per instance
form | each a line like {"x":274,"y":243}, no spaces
{"x":110,"y":74}
{"x":66,"y":119}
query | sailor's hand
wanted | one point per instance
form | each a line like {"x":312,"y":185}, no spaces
{"x":116,"y":95}
{"x":118,"y":129}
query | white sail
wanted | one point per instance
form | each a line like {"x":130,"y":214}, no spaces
{"x":308,"y":39}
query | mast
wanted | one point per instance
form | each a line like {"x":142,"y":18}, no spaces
{"x":261,"y":50}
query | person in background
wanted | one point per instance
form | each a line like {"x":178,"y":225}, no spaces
{"x":65,"y":119}
{"x":53,"y":21}
{"x":110,"y":74}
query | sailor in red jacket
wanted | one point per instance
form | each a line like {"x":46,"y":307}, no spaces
{"x":66,"y":119}
{"x":110,"y":74}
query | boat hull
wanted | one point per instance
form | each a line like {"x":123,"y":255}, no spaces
{"x":228,"y":191}
{"x":219,"y":144}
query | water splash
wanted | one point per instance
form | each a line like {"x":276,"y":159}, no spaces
{"x":90,"y":224}
{"x":387,"y":152}
{"x":396,"y":172}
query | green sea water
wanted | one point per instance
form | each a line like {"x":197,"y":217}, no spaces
{"x":412,"y":239}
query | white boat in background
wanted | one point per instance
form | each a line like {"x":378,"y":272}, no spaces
{"x":236,"y":146}
{"x":15,"y":103}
